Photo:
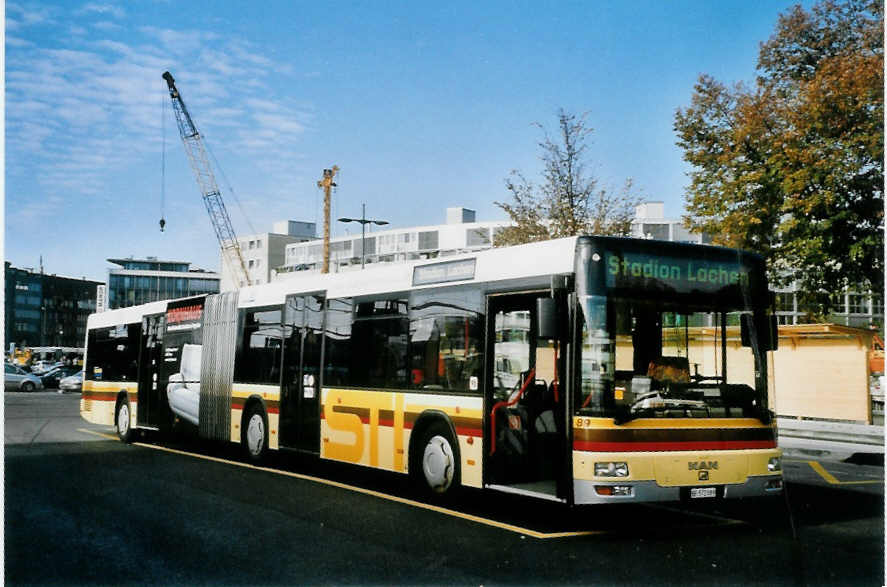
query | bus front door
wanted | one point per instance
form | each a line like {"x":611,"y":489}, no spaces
{"x":525,"y":414}
{"x":300,"y":390}
{"x":151,"y":372}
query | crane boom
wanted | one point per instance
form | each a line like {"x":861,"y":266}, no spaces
{"x":206,"y":181}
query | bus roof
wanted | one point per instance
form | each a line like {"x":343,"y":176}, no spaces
{"x":534,"y":260}
{"x":507,"y":264}
{"x":506,"y":267}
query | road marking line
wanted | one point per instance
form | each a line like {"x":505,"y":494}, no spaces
{"x":834,"y":480}
{"x":370,"y":492}
{"x":102,"y":434}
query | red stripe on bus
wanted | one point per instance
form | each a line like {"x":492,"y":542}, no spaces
{"x":110,"y":396}
{"x":268,"y":409}
{"x":670,"y":446}
{"x":408,"y":425}
{"x":476,"y":432}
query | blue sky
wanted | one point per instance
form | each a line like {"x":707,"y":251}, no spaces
{"x":422,"y":105}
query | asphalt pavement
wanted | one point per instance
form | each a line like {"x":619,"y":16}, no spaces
{"x":83,"y":508}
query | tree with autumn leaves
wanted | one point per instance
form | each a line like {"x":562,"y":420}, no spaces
{"x":792,"y":166}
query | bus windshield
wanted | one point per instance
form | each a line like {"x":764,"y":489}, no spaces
{"x":652,"y":359}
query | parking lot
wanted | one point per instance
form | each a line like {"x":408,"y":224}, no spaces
{"x":107,"y":512}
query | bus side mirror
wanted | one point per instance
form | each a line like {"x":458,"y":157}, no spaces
{"x":547,"y":315}
{"x":766,"y":328}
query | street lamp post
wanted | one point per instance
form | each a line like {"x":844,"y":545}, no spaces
{"x":363,"y":220}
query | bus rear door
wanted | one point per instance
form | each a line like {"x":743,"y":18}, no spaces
{"x":152,"y":384}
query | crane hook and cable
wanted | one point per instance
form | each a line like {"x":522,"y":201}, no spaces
{"x":163,"y":164}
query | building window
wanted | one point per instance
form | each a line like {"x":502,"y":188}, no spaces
{"x":477,"y":237}
{"x":258,"y":243}
{"x":655,"y":231}
{"x":428,"y":240}
{"x":785,"y":301}
{"x":857,"y":304}
{"x":838,"y":304}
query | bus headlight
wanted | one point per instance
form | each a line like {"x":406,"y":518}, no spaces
{"x":611,"y":469}
{"x":774,"y":464}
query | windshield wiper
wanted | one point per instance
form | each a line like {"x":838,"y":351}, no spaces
{"x":656,"y":401}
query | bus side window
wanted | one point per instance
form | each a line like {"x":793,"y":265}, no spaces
{"x":337,"y":342}
{"x":380,"y":330}
{"x":446,"y":340}
{"x":258,"y":359}
{"x":114,"y":351}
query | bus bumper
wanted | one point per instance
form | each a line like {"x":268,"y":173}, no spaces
{"x":594,"y":492}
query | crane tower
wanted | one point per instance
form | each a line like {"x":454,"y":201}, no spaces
{"x":206,"y":181}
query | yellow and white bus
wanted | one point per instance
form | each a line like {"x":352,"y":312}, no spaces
{"x":581,"y":370}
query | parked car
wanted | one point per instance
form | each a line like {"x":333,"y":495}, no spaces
{"x":42,"y":367}
{"x":72,"y":382}
{"x":19,"y":380}
{"x":52,"y":377}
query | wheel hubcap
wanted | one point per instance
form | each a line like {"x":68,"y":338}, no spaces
{"x":438,"y":464}
{"x":123,"y":419}
{"x":255,"y":434}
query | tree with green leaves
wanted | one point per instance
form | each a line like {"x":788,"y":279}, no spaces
{"x":568,"y":201}
{"x":792,"y":166}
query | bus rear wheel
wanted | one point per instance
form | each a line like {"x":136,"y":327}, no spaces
{"x":254,"y":433}
{"x":435,"y":462}
{"x":122,"y":420}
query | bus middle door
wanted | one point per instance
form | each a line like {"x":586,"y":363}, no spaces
{"x":300,"y":390}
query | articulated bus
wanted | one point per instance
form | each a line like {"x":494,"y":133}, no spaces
{"x":583,"y":370}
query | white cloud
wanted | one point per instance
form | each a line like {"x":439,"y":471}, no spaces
{"x":278,"y":124}
{"x":88,"y":110}
{"x":107,"y":26}
{"x":103,"y":9}
{"x":18,"y":16}
{"x":261,"y":104}
{"x":179,"y":42}
{"x":17,"y":42}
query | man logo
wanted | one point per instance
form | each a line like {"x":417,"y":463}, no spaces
{"x":703,"y":475}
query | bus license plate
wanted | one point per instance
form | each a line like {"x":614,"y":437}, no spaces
{"x":696,"y":492}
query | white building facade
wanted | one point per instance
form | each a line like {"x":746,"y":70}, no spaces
{"x":263,"y":252}
{"x":650,"y":222}
{"x":461,"y":234}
